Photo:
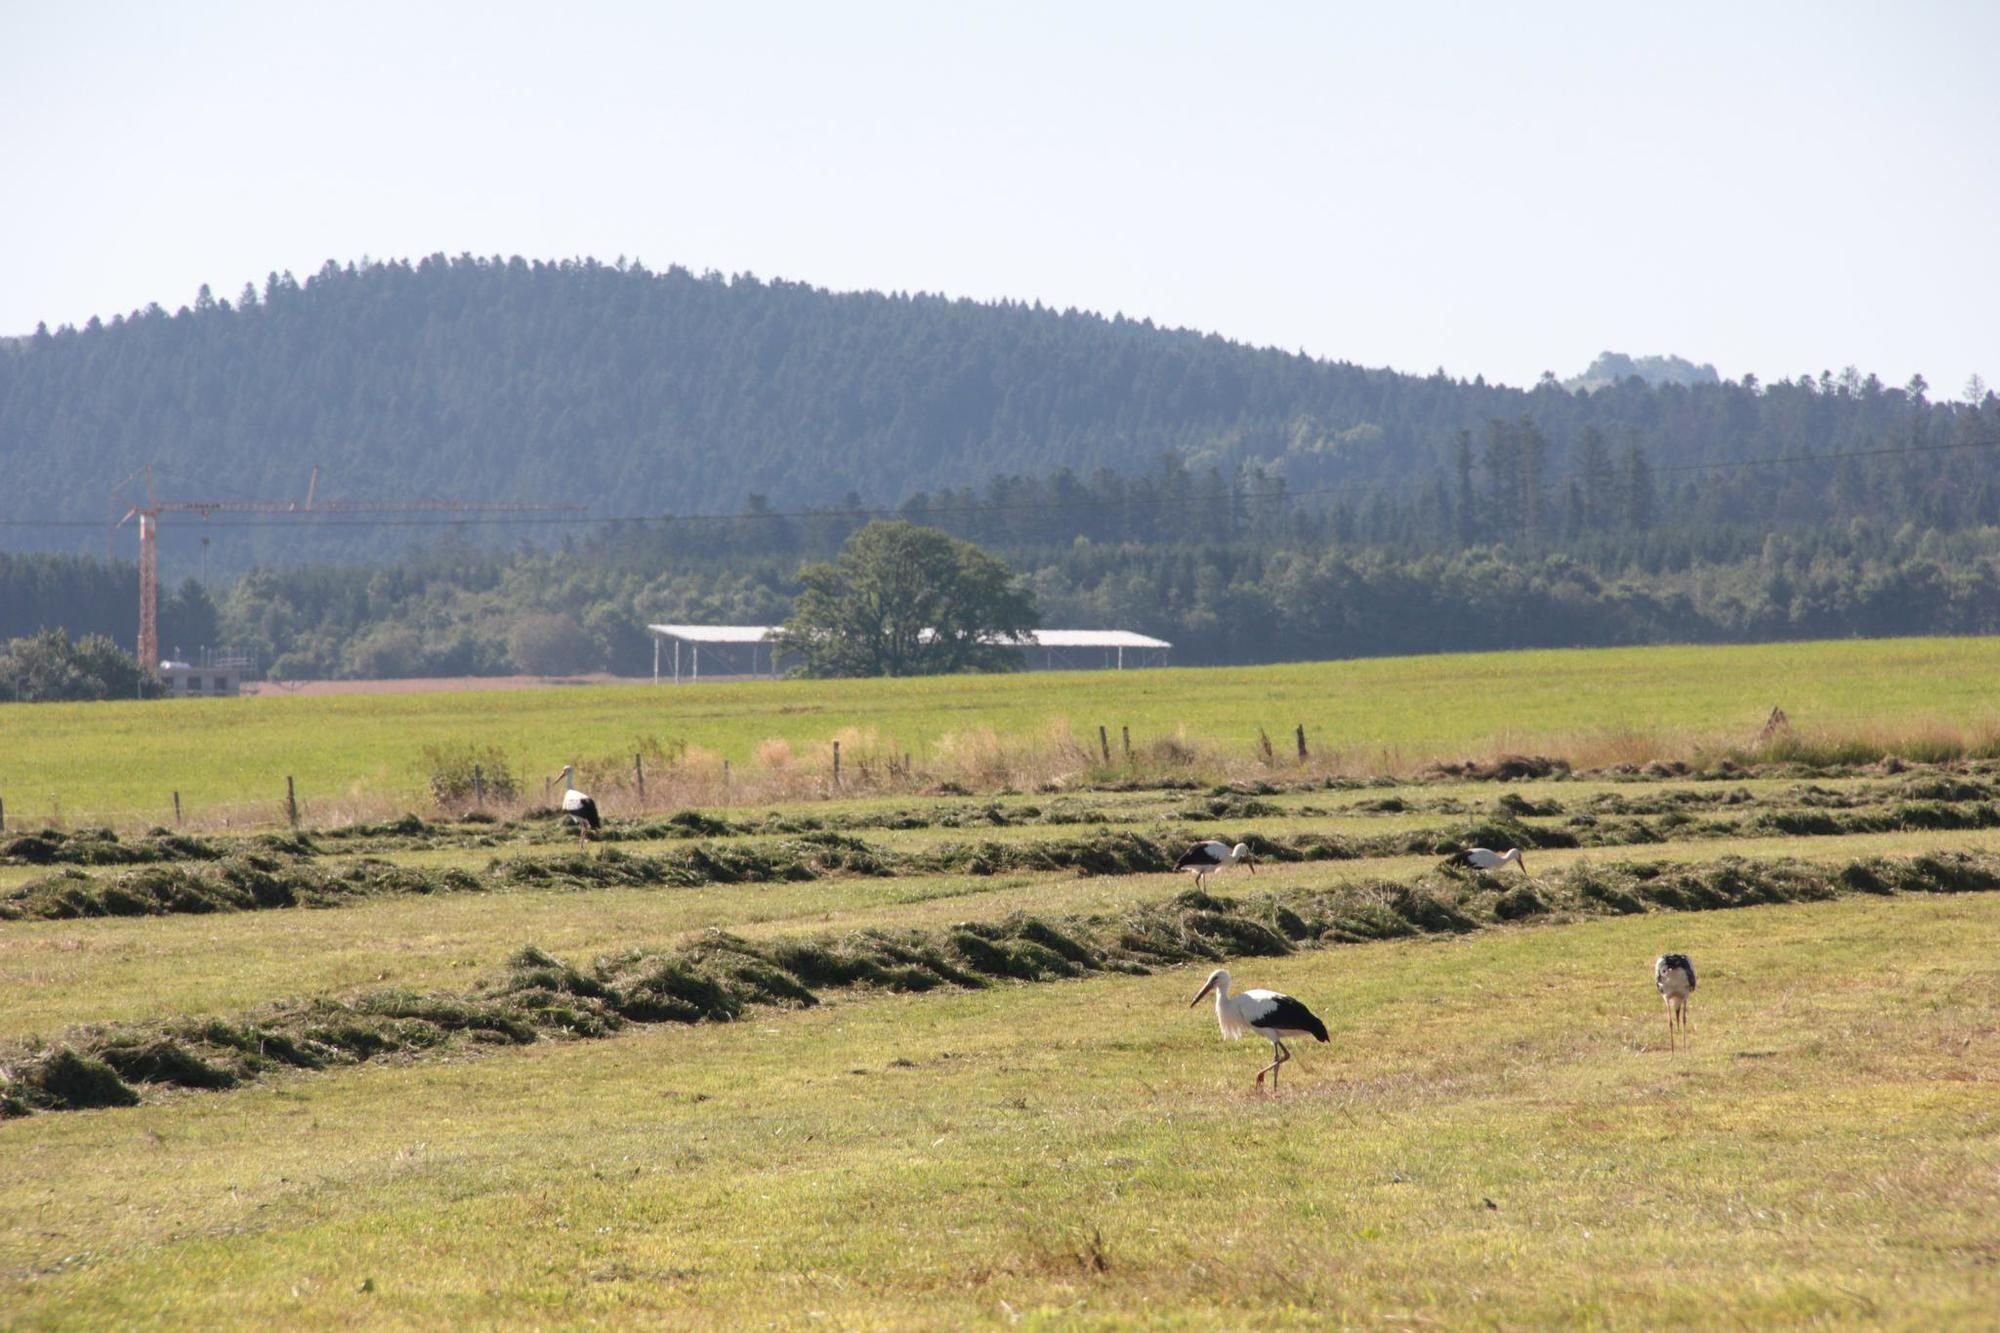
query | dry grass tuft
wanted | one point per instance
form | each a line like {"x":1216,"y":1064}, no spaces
{"x":976,"y":759}
{"x":983,"y":759}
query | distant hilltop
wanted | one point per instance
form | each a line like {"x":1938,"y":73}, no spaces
{"x":1612,"y":367}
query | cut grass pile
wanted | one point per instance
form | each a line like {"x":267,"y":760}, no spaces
{"x":103,"y":847}
{"x":201,"y":875}
{"x":722,"y":975}
{"x":1580,"y":799}
{"x":242,"y":882}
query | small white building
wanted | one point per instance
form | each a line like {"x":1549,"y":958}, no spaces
{"x":733,"y":650}
{"x":739,"y":650}
{"x":1083,"y":649}
{"x":184,"y":680}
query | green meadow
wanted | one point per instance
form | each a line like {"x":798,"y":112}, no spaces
{"x":120,"y":763}
{"x":1497,"y":1134}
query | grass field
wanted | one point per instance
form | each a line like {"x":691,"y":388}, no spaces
{"x":120,"y":763}
{"x":1496,"y":1135}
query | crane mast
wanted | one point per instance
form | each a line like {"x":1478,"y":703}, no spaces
{"x":149,"y":593}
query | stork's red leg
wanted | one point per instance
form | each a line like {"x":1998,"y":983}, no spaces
{"x":1281,"y":1055}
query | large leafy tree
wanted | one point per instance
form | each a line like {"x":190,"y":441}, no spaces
{"x":903,"y":600}
{"x":47,"y":667}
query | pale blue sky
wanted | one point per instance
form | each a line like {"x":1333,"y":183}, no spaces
{"x":1496,"y":189}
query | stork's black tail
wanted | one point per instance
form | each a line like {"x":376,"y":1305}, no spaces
{"x":1291,"y":1016}
{"x":586,"y":810}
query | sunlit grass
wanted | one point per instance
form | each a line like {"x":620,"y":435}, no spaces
{"x":1495,"y":1136}
{"x":361,"y":756}
{"x":59,"y":973}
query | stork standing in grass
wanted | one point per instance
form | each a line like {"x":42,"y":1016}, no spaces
{"x":1673,"y":976}
{"x":579,"y":807}
{"x":1267,"y":1013}
{"x":1479,"y":858}
{"x":1205,"y":858}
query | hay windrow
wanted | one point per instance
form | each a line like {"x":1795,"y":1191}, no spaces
{"x":720,"y":976}
{"x":162,"y":874}
{"x":1720,"y":791}
{"x":103,"y":847}
{"x":244,"y":881}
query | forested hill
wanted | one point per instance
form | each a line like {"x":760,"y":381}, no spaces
{"x":637,"y":392}
{"x":634,"y":391}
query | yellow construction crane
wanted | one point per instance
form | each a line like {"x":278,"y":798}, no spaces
{"x":149,"y":510}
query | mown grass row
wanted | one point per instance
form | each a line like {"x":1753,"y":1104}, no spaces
{"x":241,"y":882}
{"x":104,"y":847}
{"x":196,"y":876}
{"x":721,"y":976}
{"x":266,"y":878}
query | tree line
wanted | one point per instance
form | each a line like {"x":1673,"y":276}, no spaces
{"x":460,"y":610}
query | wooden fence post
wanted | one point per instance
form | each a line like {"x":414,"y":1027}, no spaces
{"x":1302,"y":742}
{"x":177,"y":810}
{"x":478,"y":786}
{"x":291,"y":803}
{"x":836,"y":765}
{"x":3,"y":816}
{"x":639,"y":776}
{"x":546,"y":782}
{"x":1126,"y":734}
{"x":1104,"y":743}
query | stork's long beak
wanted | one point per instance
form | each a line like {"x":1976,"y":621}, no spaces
{"x":1206,"y":987}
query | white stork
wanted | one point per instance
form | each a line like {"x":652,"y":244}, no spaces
{"x":1481,"y":859}
{"x":578,"y":806}
{"x":1205,"y":858}
{"x":1269,"y":1014}
{"x":1673,"y":977}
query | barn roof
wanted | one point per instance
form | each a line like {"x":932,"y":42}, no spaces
{"x":1094,"y":638}
{"x":1041,"y":638}
{"x":715,"y":633}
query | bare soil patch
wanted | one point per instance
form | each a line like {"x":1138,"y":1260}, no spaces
{"x":432,"y":684}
